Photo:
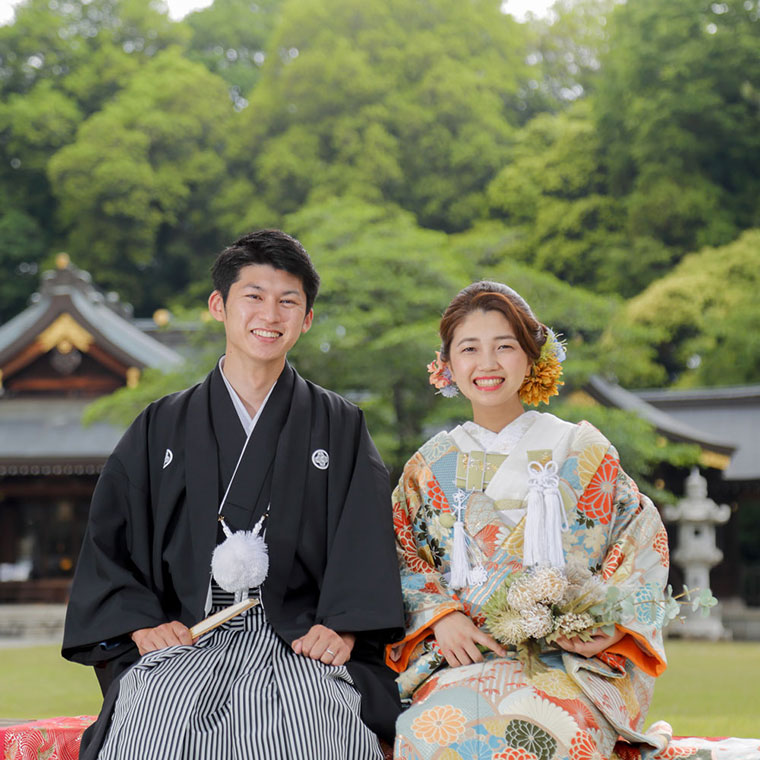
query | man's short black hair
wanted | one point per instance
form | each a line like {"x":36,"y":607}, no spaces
{"x":272,"y":247}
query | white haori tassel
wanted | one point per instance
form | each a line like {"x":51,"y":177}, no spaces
{"x":241,"y":561}
{"x":545,"y":520}
{"x":463,"y":572}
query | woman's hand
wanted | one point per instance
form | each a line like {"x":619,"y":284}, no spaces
{"x":458,"y":638}
{"x":324,"y":644}
{"x":599,"y":642}
{"x":164,"y":635}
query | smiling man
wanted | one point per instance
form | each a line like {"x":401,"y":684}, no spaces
{"x":253,"y":445}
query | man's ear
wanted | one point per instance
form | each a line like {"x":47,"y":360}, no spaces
{"x":308,"y":319}
{"x":216,"y":306}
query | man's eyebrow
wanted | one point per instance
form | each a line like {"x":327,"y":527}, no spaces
{"x":254,"y":286}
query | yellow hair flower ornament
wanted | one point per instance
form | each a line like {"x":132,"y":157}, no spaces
{"x":544,"y":379}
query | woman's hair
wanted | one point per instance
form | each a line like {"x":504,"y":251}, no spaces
{"x":493,"y":296}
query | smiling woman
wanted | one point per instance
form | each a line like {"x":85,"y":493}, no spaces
{"x":505,"y":497}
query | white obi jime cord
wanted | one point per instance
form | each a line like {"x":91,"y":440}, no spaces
{"x":545,"y":520}
{"x":241,"y":561}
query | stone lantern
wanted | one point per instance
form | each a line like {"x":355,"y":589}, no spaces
{"x":697,"y":515}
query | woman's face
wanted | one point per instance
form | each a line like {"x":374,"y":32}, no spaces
{"x":489,"y":366}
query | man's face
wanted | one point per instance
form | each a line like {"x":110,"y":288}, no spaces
{"x":264,"y":316}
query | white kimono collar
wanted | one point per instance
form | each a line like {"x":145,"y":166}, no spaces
{"x":248,"y":422}
{"x":546,"y":432}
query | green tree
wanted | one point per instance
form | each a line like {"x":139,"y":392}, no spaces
{"x":231,"y":38}
{"x":136,"y":188}
{"x":22,"y":248}
{"x":385,"y":282}
{"x":554,"y":193}
{"x":695,"y":326}
{"x":88,"y":48}
{"x":60,"y":62}
{"x":566,"y":49}
{"x":676,"y":107}
{"x":403,"y":102}
{"x":33,"y":126}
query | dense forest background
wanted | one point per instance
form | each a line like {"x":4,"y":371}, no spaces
{"x":605,"y":162}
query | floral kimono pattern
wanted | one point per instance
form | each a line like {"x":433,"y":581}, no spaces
{"x":549,"y":706}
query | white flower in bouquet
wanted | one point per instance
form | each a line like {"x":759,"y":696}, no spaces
{"x":577,"y":571}
{"x":571,"y":624}
{"x":549,"y":585}
{"x":537,"y":621}
{"x":521,"y":595}
{"x":507,"y":626}
{"x":592,"y":591}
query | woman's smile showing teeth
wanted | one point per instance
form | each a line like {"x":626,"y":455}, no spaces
{"x":488,"y":383}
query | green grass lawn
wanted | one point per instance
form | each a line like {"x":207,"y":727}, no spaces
{"x":708,"y":690}
{"x":36,"y":682}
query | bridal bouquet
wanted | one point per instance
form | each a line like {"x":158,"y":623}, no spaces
{"x":548,"y":602}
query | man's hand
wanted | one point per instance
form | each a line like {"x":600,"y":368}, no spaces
{"x":324,"y":644}
{"x":458,"y":637}
{"x":164,"y":635}
{"x":599,"y":642}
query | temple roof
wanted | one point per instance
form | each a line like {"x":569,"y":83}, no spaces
{"x":46,"y":437}
{"x":72,"y":344}
{"x":728,"y":413}
{"x":724,"y":422}
{"x":69,"y":314}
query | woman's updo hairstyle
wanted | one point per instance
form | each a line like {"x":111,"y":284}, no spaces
{"x":494,"y":296}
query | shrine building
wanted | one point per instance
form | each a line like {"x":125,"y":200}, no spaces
{"x":72,"y":344}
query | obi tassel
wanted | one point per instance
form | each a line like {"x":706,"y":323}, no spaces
{"x":463,"y":571}
{"x":241,"y":561}
{"x":545,"y":520}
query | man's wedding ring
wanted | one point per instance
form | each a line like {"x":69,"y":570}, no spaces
{"x":330,"y":651}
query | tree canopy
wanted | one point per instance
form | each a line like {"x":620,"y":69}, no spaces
{"x":698,"y":325}
{"x":604,"y":161}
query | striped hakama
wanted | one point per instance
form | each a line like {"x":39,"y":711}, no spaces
{"x":238,"y":692}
